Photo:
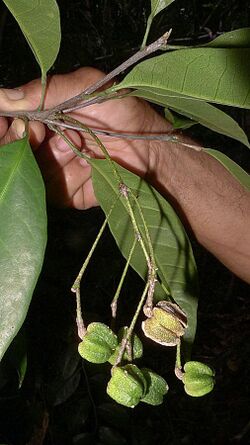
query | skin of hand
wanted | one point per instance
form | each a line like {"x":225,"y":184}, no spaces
{"x":67,"y":177}
{"x":211,"y":203}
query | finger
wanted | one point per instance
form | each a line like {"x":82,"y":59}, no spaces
{"x":63,"y":173}
{"x":15,"y":131}
{"x":3,"y":127}
{"x":65,"y":188}
{"x":84,"y":198}
{"x":37,"y":134}
{"x":60,"y":87}
{"x":54,"y":154}
{"x":11,"y":99}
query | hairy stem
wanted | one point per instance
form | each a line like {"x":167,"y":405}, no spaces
{"x":79,"y":320}
{"x":119,"y":287}
{"x":178,"y":368}
{"x":129,"y":333}
{"x":77,"y":281}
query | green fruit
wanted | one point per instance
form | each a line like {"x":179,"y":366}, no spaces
{"x":136,"y":347}
{"x":157,"y":387}
{"x":198,"y":379}
{"x":98,"y":343}
{"x":127,"y":385}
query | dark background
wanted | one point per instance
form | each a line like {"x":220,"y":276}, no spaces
{"x":62,"y":400}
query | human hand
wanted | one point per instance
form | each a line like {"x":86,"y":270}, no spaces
{"x":67,"y":177}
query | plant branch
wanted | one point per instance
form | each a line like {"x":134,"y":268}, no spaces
{"x":77,"y":281}
{"x":160,"y":43}
{"x":114,"y":134}
{"x":119,"y":287}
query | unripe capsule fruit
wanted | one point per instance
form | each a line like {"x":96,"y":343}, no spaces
{"x":198,"y":379}
{"x":135,"y":344}
{"x":127,"y":385}
{"x":98,"y":344}
{"x":157,"y":387}
{"x":166,"y":325}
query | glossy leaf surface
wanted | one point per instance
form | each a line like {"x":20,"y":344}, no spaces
{"x":239,"y":38}
{"x":197,"y":110}
{"x":241,"y":175}
{"x":23,"y":234}
{"x":39,"y":21}
{"x":173,"y":253}
{"x":219,"y":75}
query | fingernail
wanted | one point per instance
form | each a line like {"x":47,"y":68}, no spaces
{"x":19,"y":128}
{"x":14,"y":94}
{"x":62,"y":145}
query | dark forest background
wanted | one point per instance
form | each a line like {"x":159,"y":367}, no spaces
{"x":62,"y":400}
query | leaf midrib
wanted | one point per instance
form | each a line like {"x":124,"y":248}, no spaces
{"x":12,"y":174}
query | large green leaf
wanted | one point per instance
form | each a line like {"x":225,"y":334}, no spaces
{"x":22,"y":235}
{"x":239,"y":38}
{"x":158,"y":6}
{"x":173,"y":252}
{"x":200,"y":111}
{"x":39,"y":21}
{"x":241,"y":175}
{"x":219,"y":75}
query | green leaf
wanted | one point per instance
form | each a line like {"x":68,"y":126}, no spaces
{"x":158,"y":6}
{"x":39,"y":21}
{"x":17,"y":356}
{"x":23,"y":234}
{"x":239,"y":38}
{"x":241,"y":175}
{"x":173,"y":253}
{"x":178,"y":122}
{"x":197,"y":110}
{"x":219,"y":75}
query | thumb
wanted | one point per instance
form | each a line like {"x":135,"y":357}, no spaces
{"x":17,"y":129}
{"x":12,"y":99}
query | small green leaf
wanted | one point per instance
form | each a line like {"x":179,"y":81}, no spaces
{"x":39,"y":21}
{"x":23,"y":234}
{"x":98,"y":343}
{"x":200,"y":111}
{"x":239,"y":38}
{"x":127,"y":385}
{"x":219,"y":75}
{"x":172,"y":249}
{"x":157,"y":388}
{"x":178,"y":122}
{"x":241,"y":175}
{"x":158,"y":6}
{"x":17,"y":356}
{"x":136,"y":346}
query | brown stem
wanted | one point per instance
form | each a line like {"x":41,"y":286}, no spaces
{"x":74,"y":102}
{"x":160,"y":43}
